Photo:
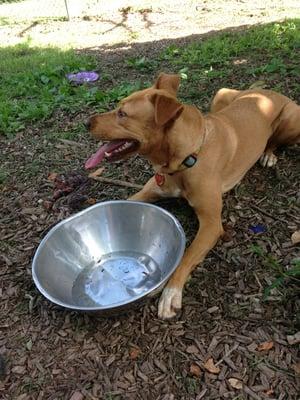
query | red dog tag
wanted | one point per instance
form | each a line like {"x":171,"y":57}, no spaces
{"x":160,"y":179}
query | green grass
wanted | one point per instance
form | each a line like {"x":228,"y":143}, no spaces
{"x":284,"y":278}
{"x":34,"y":85}
{"x":259,"y":52}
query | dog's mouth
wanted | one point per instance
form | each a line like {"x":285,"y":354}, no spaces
{"x":112,"y":151}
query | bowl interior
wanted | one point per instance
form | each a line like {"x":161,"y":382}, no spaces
{"x":108,"y":255}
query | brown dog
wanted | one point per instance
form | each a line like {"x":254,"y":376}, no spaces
{"x":195,"y":156}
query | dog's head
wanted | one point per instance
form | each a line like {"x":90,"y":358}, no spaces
{"x":151,"y":122}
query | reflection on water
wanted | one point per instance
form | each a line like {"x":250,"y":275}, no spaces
{"x":116,"y":277}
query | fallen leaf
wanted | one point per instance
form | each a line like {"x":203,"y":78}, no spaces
{"x":91,"y":201}
{"x":47,"y":204}
{"x":295,"y":238}
{"x":296,"y":368}
{"x":76,"y":396}
{"x":235,"y":383}
{"x":265,"y":346}
{"x":293,"y":339}
{"x":195,"y":370}
{"x":96,"y":173}
{"x":29,"y":345}
{"x":52,"y":176}
{"x":134,"y":353}
{"x":210,"y":366}
{"x":269,"y":392}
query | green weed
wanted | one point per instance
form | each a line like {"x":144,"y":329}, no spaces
{"x":141,"y":63}
{"x":283,"y":277}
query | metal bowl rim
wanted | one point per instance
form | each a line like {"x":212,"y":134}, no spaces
{"x":114,"y":305}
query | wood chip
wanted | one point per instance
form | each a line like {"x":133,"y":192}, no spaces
{"x":250,"y":393}
{"x":213,"y":309}
{"x":18,"y":369}
{"x":265,"y":346}
{"x":76,"y":396}
{"x":235,"y":383}
{"x":160,"y":365}
{"x":192,"y":349}
{"x":210,"y":366}
{"x":296,"y":368}
{"x":142,"y":376}
{"x":295,"y":238}
{"x":110,"y":360}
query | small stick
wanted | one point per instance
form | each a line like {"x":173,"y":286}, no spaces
{"x":117,"y":182}
{"x":266,"y":213}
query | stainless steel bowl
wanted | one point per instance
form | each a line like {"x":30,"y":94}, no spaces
{"x":110,"y":255}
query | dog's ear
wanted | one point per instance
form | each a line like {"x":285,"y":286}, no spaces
{"x":168,"y":82}
{"x":166,"y":109}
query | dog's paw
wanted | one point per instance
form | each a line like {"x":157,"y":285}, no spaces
{"x":268,"y":159}
{"x":169,"y":302}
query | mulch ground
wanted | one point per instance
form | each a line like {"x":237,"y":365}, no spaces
{"x":227,"y":343}
{"x":50,"y":353}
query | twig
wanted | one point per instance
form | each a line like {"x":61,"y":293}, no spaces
{"x":117,"y":182}
{"x":27,"y":29}
{"x":235,"y":346}
{"x":266,"y":213}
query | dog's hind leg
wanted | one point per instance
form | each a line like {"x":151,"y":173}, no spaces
{"x":268,"y":159}
{"x":286,"y":131}
{"x":223,"y":98}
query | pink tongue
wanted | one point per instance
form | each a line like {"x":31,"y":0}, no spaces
{"x":96,"y":158}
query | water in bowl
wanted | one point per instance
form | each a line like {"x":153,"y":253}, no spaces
{"x":116,"y":277}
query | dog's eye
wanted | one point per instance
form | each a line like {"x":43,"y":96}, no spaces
{"x":190,"y":161}
{"x":121,"y":113}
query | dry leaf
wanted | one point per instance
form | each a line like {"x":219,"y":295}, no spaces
{"x":265,"y":346}
{"x":52,"y":176}
{"x":91,"y":201}
{"x":295,"y":237}
{"x":293,"y":339}
{"x":195,"y":370}
{"x":96,"y":173}
{"x":269,"y":392}
{"x":47,"y":204}
{"x":210,"y":366}
{"x":235,"y":383}
{"x":134,"y":353}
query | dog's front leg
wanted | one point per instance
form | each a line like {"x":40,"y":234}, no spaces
{"x":152,"y":192}
{"x":209,"y":215}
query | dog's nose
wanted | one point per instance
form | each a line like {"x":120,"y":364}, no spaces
{"x":87,"y":124}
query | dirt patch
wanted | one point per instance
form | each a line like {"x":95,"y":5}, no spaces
{"x":124,"y":23}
